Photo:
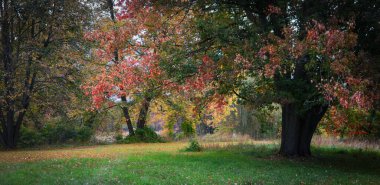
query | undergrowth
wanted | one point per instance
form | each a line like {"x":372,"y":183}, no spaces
{"x":144,"y":135}
{"x":194,"y":146}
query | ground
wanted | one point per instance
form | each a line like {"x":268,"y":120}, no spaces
{"x":165,"y":163}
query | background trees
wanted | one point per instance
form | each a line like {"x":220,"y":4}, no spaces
{"x":35,"y":37}
{"x":207,"y":58}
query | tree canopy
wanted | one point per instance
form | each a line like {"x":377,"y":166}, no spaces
{"x":317,"y":61}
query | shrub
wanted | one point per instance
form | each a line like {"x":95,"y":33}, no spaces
{"x":30,"y":138}
{"x":49,"y":132}
{"x":119,"y":138}
{"x":144,"y":135}
{"x":194,"y":146}
{"x":65,"y":133}
{"x":59,"y":131}
{"x":84,"y":134}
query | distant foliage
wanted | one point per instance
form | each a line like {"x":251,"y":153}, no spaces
{"x":30,"y":138}
{"x":187,"y":128}
{"x":55,"y":133}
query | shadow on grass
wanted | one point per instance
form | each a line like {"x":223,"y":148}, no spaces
{"x":343,"y":159}
{"x":348,"y":159}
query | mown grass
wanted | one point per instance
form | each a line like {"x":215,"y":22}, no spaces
{"x":164,"y":163}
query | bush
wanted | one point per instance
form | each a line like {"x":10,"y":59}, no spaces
{"x":119,"y":138}
{"x":64,"y":133}
{"x":30,"y":138}
{"x":60,"y":130}
{"x":84,"y":134}
{"x":60,"y":133}
{"x":147,"y":134}
{"x":57,"y":133}
{"x":144,"y":135}
{"x":194,"y":146}
{"x":48,"y":132}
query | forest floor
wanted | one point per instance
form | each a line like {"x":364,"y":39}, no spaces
{"x":166,"y":163}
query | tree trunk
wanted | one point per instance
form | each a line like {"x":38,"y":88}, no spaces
{"x":10,"y":142}
{"x":2,"y":143}
{"x":8,"y":132}
{"x":116,"y":58}
{"x":141,"y":122}
{"x":127,"y":117}
{"x":8,"y":136}
{"x":298,"y":129}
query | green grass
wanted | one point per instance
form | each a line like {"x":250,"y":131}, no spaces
{"x":164,"y":164}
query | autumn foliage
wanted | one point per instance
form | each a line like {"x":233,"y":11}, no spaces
{"x":332,"y":70}
{"x":133,"y":50}
{"x":138,"y":36}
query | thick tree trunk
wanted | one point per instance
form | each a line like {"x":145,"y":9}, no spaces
{"x":298,"y":129}
{"x":290,"y":131}
{"x":9,"y":136}
{"x":10,"y":142}
{"x":2,"y":143}
{"x":127,"y":117}
{"x":141,"y":122}
{"x":8,"y":132}
{"x":12,"y":112}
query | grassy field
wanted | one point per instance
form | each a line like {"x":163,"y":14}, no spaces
{"x":164,"y":163}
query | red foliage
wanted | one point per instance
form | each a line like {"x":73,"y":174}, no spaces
{"x":333,"y":48}
{"x":349,"y":122}
{"x":137,"y":37}
{"x":336,"y":49}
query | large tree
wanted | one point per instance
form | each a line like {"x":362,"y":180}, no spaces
{"x":32,"y":33}
{"x":125,"y":46}
{"x":304,"y":55}
{"x":130,"y":49}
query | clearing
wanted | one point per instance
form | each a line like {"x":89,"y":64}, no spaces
{"x":165,"y":163}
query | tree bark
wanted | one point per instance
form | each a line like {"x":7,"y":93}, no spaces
{"x":2,"y":140}
{"x":8,"y":132}
{"x":141,"y":122}
{"x":290,"y":130}
{"x":298,"y":129}
{"x":127,"y":117}
{"x":116,"y":58}
{"x":12,"y":112}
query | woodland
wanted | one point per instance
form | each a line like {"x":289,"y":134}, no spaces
{"x":234,"y":85}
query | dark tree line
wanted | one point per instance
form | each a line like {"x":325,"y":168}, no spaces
{"x":35,"y":34}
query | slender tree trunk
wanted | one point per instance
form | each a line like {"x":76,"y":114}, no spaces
{"x":141,"y":122}
{"x":298,"y":129}
{"x":127,"y":117}
{"x":116,"y":58}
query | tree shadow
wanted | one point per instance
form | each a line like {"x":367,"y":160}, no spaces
{"x":342,"y":159}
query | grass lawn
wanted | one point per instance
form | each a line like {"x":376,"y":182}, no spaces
{"x":164,"y":163}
